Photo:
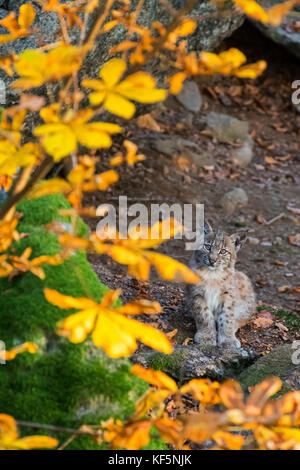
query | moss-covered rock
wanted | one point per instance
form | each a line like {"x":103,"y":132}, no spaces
{"x":282,"y":362}
{"x":189,"y":362}
{"x":62,"y":384}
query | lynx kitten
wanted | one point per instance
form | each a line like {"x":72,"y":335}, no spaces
{"x":224,"y":299}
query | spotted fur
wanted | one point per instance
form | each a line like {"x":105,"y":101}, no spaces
{"x":224,"y":298}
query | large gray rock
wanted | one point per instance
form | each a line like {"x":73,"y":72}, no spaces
{"x":284,"y":33}
{"x":226,"y":127}
{"x":188,"y":362}
{"x":209,"y":34}
{"x":282,"y":361}
{"x":174,"y":146}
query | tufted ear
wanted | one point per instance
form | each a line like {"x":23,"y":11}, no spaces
{"x":207,"y":229}
{"x":238,"y":240}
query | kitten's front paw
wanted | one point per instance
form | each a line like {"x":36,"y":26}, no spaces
{"x":204,"y":338}
{"x":229,"y":343}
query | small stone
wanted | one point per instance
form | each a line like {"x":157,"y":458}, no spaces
{"x":242,"y":156}
{"x":277,"y":241}
{"x":237,"y":197}
{"x":226,"y":127}
{"x":174,"y":146}
{"x":253,"y":240}
{"x":190,"y":96}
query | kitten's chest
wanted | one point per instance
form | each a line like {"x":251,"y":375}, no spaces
{"x":213,"y":298}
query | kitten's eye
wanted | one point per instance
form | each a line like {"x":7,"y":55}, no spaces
{"x":207,"y":246}
{"x":223,"y":252}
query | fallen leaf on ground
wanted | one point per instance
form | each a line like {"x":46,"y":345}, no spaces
{"x":279,"y":263}
{"x":271,"y":161}
{"x":148,"y":122}
{"x":281,"y":326}
{"x":294,"y":239}
{"x":260,"y":219}
{"x":266,"y":314}
{"x":187,"y":341}
{"x":262,"y":322}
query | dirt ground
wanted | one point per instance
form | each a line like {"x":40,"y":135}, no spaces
{"x":272,"y":189}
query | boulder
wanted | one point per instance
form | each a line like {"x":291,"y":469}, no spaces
{"x":235,"y":198}
{"x":190,"y":362}
{"x":219,"y":23}
{"x":283,"y":361}
{"x":285,"y":34}
{"x":225,"y":127}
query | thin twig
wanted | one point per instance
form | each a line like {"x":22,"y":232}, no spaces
{"x":101,"y":15}
{"x":50,"y":427}
{"x":168,"y":7}
{"x":67,"y":442}
{"x":278,"y":217}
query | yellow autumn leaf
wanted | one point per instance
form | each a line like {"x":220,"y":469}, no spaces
{"x":22,"y":264}
{"x":277,"y":12}
{"x":171,"y":269}
{"x":253,"y":9}
{"x":12,"y":157}
{"x":110,"y":328}
{"x":12,"y":353}
{"x":188,"y":26}
{"x":36,"y":442}
{"x":9,"y":437}
{"x":61,"y":135}
{"x":8,"y":231}
{"x":36,"y":67}
{"x":131,"y":156}
{"x":53,"y":186}
{"x":251,"y":70}
{"x":155,"y":377}
{"x":117,"y":160}
{"x":227,"y":440}
{"x":18,"y":28}
{"x":176,"y":82}
{"x":132,"y":251}
{"x":203,"y":390}
{"x":26,"y":15}
{"x":273,"y":15}
{"x":287,"y":433}
{"x":152,"y":400}
{"x":132,"y":436}
{"x":116,"y":95}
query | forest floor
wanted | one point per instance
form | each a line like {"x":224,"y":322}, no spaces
{"x":272,"y":186}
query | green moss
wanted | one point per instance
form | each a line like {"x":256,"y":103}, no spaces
{"x":62,"y":384}
{"x":169,"y":363}
{"x":277,"y":363}
{"x":44,"y":210}
{"x":155,"y":441}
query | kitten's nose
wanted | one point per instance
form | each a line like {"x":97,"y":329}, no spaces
{"x":212,"y":261}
